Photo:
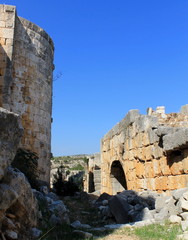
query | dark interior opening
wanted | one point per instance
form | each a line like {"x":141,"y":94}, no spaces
{"x":118,"y":180}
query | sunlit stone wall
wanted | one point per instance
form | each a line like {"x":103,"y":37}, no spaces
{"x":26,"y":67}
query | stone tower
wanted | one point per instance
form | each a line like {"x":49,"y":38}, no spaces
{"x":26,"y":67}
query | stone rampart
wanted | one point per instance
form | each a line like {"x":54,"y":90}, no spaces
{"x":146,"y":152}
{"x":26,"y":66}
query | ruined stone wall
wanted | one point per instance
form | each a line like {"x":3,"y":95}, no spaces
{"x":92,"y":181}
{"x":26,"y":66}
{"x":151,"y":151}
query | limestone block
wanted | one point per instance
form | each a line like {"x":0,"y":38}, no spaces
{"x":2,"y":24}
{"x":120,"y":149}
{"x":116,"y":141}
{"x":183,"y":203}
{"x":148,"y":152}
{"x":165,"y":169}
{"x":8,"y":196}
{"x":181,"y":181}
{"x":172,"y":182}
{"x":141,"y":184}
{"x":140,"y":169}
{"x":184,"y":109}
{"x":144,"y":122}
{"x":175,"y":219}
{"x":157,"y":151}
{"x":165,"y":130}
{"x":162,"y":215}
{"x":133,"y":130}
{"x":176,"y":168}
{"x":176,"y":140}
{"x":10,"y":135}
{"x":9,"y":8}
{"x":122,"y":137}
{"x":7,"y":33}
{"x":131,"y":155}
{"x":161,"y":183}
{"x":185,"y":161}
{"x":145,"y":139}
{"x":138,"y":141}
{"x":130,"y":175}
{"x":153,"y":137}
{"x":25,"y":206}
{"x":185,"y":195}
{"x":111,"y":143}
{"x":130,"y":118}
{"x":138,"y":153}
{"x":184,"y":215}
{"x":156,"y":167}
{"x":184,"y":225}
{"x":149,"y":171}
{"x":131,"y":144}
{"x":161,"y":202}
{"x":131,"y":165}
{"x":1,"y":8}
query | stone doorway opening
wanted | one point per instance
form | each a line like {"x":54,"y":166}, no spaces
{"x":117,"y":177}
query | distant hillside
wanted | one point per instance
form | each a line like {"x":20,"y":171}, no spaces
{"x":73,"y":162}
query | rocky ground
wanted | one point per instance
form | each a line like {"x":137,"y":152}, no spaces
{"x":87,"y":221}
{"x":82,"y":211}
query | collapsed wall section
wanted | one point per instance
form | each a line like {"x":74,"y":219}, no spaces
{"x":152,"y":149}
{"x":26,"y":81}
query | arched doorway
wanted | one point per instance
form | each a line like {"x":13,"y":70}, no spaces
{"x":117,"y":177}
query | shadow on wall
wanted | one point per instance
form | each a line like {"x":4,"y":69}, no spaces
{"x":176,"y":156}
{"x":5,"y":76}
{"x":91,"y":187}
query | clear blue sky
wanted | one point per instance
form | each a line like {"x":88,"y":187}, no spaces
{"x":114,"y":56}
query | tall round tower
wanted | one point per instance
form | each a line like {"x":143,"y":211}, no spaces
{"x":26,"y":67}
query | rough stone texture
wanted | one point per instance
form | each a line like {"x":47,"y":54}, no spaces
{"x":150,"y":151}
{"x":26,"y":66}
{"x":175,"y":219}
{"x":137,"y":207}
{"x":92,"y":180}
{"x":24,"y":204}
{"x":18,"y":206}
{"x":10,"y":134}
{"x":176,"y":140}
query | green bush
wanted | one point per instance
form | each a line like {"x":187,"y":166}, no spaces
{"x":78,"y":167}
{"x":61,"y":186}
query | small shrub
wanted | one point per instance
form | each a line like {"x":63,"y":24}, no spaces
{"x":63,"y":187}
{"x":78,"y":167}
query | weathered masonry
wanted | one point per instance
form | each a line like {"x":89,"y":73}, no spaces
{"x":26,"y":66}
{"x":92,"y":180}
{"x":146,"y":152}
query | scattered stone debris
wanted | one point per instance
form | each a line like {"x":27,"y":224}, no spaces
{"x":83,"y":234}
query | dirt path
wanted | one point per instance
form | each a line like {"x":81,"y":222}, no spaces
{"x":118,"y":237}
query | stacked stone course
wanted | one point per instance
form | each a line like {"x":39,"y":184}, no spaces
{"x":26,"y":67}
{"x":152,"y":149}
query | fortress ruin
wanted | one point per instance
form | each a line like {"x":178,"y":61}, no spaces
{"x":26,"y":67}
{"x":146,"y":152}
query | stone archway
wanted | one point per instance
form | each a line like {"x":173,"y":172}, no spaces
{"x":117,"y":177}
